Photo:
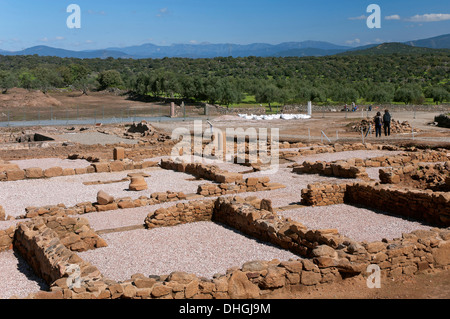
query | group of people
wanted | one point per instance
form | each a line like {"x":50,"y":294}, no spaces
{"x":381,"y":121}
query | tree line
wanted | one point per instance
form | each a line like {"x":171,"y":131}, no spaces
{"x":407,"y":78}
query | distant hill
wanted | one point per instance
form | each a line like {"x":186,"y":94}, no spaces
{"x":440,"y":42}
{"x":307,"y":52}
{"x":209,"y":50}
{"x":391,"y":48}
{"x":43,"y":50}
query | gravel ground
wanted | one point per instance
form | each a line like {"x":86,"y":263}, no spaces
{"x":93,"y":138}
{"x":51,"y":162}
{"x":202,"y":248}
{"x":17,"y":278}
{"x":70,"y":190}
{"x":357,"y":223}
{"x":6,"y":224}
{"x":374,"y":172}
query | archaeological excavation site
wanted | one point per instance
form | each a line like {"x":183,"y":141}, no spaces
{"x":111,"y":213}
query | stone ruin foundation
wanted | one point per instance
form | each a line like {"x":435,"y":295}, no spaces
{"x":50,"y":239}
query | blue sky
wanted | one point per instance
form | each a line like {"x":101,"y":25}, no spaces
{"x":113,"y":23}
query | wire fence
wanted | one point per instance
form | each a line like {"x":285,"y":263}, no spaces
{"x":52,"y":115}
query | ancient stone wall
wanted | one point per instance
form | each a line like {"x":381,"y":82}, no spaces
{"x":342,"y":169}
{"x":422,"y":176}
{"x":330,"y":256}
{"x":43,"y":250}
{"x":182,"y":213}
{"x":101,"y":167}
{"x":209,"y":172}
{"x":321,"y":194}
{"x":6,"y":238}
{"x":252,"y":184}
{"x":423,"y":205}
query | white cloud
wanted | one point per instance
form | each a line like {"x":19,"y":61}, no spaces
{"x":354,"y":41}
{"x":193,"y":42}
{"x":393,"y":17}
{"x":102,"y":13}
{"x":44,"y":39}
{"x":59,"y":38}
{"x":431,"y":17}
{"x":163,"y":12}
{"x":358,"y":18}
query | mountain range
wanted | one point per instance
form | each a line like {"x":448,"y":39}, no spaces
{"x":208,"y":50}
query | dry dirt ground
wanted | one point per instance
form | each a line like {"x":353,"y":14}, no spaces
{"x":424,"y":286}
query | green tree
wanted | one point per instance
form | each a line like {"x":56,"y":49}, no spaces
{"x":109,"y":79}
{"x":8,"y":80}
{"x":86,"y":84}
{"x":228,"y":93}
{"x":26,"y":80}
{"x":268,"y":94}
{"x":438,"y":94}
{"x":408,"y":94}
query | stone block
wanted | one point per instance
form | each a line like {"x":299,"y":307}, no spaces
{"x":15,"y":175}
{"x":34,"y":173}
{"x":53,"y":172}
{"x":119,"y":153}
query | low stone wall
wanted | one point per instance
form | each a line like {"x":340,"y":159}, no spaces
{"x":88,"y":207}
{"x":182,"y":213}
{"x":217,"y":109}
{"x":355,"y":167}
{"x":195,"y":211}
{"x":422,"y":205}
{"x":320,"y":149}
{"x":340,"y":169}
{"x":252,"y":184}
{"x":423,"y":176}
{"x":324,"y":194}
{"x":74,"y":233}
{"x":43,"y":250}
{"x":6,"y":238}
{"x":209,"y":172}
{"x":430,"y":207}
{"x":101,"y":167}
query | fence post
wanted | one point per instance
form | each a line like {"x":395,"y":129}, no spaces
{"x":323,"y":134}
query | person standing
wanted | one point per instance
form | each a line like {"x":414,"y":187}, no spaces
{"x":387,"y":123}
{"x":378,"y":121}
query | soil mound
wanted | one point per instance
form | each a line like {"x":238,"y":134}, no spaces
{"x":25,"y":98}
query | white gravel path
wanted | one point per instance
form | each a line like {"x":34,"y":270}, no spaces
{"x":17,"y":278}
{"x":45,"y":163}
{"x":70,"y":190}
{"x":202,"y":248}
{"x":357,"y":223}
